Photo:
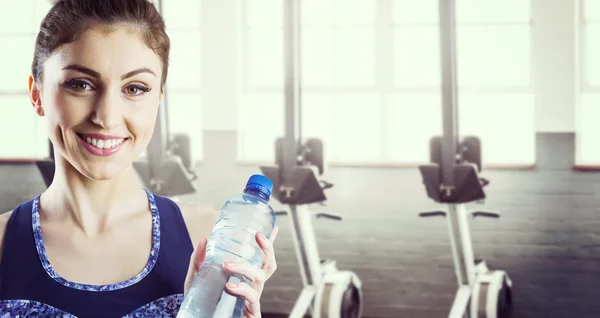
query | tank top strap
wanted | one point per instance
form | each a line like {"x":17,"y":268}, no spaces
{"x":175,"y":243}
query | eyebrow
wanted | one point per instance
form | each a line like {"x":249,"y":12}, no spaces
{"x":85,"y":70}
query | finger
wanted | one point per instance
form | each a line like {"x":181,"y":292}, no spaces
{"x":249,"y":293}
{"x":254,"y":274}
{"x":269,"y":261}
{"x":197,"y":259}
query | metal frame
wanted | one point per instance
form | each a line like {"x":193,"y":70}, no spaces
{"x":292,"y":93}
{"x":307,"y":252}
{"x":462,"y":255}
{"x":449,"y":92}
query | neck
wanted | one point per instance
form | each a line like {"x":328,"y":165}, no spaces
{"x":91,"y":205}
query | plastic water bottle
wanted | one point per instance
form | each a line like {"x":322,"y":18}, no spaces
{"x":233,"y":238}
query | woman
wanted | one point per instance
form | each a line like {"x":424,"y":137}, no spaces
{"x":95,"y":244}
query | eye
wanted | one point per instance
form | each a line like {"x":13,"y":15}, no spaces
{"x":78,"y":85}
{"x":136,"y":90}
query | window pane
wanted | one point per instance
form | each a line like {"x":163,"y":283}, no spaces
{"x":357,"y":135}
{"x":588,"y":130}
{"x":264,"y":12}
{"x":355,"y":12}
{"x":355,"y":57}
{"x":185,"y":117}
{"x":318,"y":119}
{"x":182,"y":14}
{"x":16,"y":62}
{"x":416,"y":56}
{"x":412,"y":121}
{"x":592,"y":51}
{"x":185,"y":71}
{"x":265,"y":50}
{"x":488,"y":116}
{"x":470,"y":11}
{"x":411,"y":11}
{"x":317,"y":56}
{"x":494,"y":56}
{"x":18,"y":17}
{"x":591,"y":9}
{"x":317,"y":12}
{"x":260,"y":122}
{"x":17,"y":109}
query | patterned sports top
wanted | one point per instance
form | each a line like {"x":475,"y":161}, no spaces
{"x":29,"y":286}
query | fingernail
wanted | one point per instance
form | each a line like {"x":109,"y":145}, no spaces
{"x":230,"y":264}
{"x":233,"y":285}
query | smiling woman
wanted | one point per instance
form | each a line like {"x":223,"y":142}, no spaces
{"x":96,"y":244}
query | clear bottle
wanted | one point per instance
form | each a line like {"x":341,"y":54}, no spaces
{"x":233,"y":238}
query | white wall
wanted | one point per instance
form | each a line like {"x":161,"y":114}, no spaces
{"x":219,"y":64}
{"x":553,"y":64}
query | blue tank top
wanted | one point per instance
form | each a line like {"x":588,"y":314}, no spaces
{"x":30,"y":287}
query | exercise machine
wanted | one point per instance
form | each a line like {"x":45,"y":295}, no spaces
{"x":167,"y":168}
{"x":296,"y":175}
{"x":452,"y":178}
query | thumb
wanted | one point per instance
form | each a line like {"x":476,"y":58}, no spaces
{"x":197,"y":259}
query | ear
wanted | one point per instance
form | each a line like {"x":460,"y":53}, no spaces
{"x":35,"y":96}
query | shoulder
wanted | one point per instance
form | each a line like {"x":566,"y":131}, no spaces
{"x":199,"y":219}
{"x":4,"y":217}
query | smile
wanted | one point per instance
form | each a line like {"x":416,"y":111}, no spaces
{"x":101,"y":145}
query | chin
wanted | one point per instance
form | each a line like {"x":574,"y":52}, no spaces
{"x":103,"y":171}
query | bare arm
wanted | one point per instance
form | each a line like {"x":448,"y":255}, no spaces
{"x":199,"y":219}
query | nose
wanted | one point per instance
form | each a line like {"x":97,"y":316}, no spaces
{"x":108,"y":110}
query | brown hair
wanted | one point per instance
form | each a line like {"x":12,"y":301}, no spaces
{"x":67,"y":19}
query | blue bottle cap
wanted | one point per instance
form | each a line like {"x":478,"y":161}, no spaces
{"x":261,"y":183}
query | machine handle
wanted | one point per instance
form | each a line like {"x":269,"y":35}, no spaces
{"x":486,"y":214}
{"x":484,"y":182}
{"x":326,"y":185}
{"x":432,"y":213}
{"x":330,"y":216}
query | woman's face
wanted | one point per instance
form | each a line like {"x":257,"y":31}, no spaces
{"x":100,"y":97}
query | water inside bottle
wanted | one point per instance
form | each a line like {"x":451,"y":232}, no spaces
{"x":206,"y":302}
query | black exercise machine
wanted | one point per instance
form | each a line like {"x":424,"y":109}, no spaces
{"x":328,"y":292}
{"x":453,"y":179}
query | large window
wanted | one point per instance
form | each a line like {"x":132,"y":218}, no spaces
{"x":588,"y":108}
{"x":371,"y":78}
{"x":18,"y":28}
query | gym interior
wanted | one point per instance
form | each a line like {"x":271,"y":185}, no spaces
{"x":376,"y":85}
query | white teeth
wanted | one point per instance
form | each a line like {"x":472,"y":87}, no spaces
{"x":104,"y":144}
